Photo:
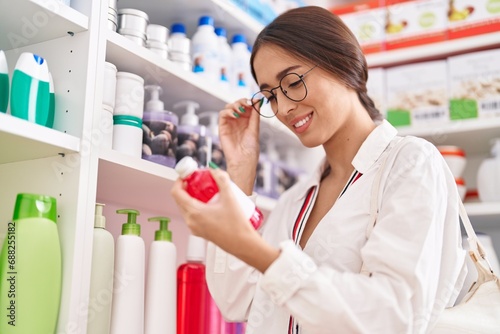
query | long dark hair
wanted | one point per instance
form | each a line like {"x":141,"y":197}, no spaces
{"x":316,"y":35}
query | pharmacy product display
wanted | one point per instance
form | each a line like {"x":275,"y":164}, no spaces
{"x":241,"y":80}
{"x":159,"y":126}
{"x":30,"y":93}
{"x":30,"y":267}
{"x":225,"y":59}
{"x":160,"y":311}
{"x":101,"y":276}
{"x":4,"y":83}
{"x":191,"y":136}
{"x":52,"y":103}
{"x":201,"y":185}
{"x":192,"y":289}
{"x":488,"y":175}
{"x":127,"y":315}
{"x":179,"y":46}
{"x":205,"y":50}
{"x":217,"y":155}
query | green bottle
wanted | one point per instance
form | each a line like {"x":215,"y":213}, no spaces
{"x":4,"y":83}
{"x":30,"y":268}
{"x":30,"y":91}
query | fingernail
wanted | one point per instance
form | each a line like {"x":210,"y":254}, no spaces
{"x":241,"y":109}
{"x":236,"y":114}
{"x":261,"y":102}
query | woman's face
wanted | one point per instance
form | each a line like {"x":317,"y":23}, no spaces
{"x":327,"y":107}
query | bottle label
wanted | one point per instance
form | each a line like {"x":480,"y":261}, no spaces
{"x":159,"y":142}
{"x":193,"y":145}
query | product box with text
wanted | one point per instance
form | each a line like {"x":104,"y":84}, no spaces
{"x":366,"y":19}
{"x":411,"y":23}
{"x":417,"y":94}
{"x":474,"y":85}
{"x":473,"y":17}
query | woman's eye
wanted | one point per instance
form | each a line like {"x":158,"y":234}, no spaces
{"x":295,"y":84}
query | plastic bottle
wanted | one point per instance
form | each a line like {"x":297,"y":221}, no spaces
{"x":265,"y":181}
{"x":488,"y":175}
{"x":52,"y":103}
{"x":241,"y":80}
{"x":205,"y":50}
{"x":192,"y":289}
{"x":201,"y":185}
{"x":217,"y":155}
{"x":213,"y":316}
{"x":287,"y":173}
{"x":225,"y":59}
{"x":179,"y":46}
{"x":127,"y":315}
{"x":159,"y":126}
{"x":160,"y":312}
{"x":4,"y":83}
{"x":191,"y":136}
{"x":30,"y":267}
{"x":30,"y":94}
{"x":101,"y":277}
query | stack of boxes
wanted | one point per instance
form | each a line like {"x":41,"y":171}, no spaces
{"x":391,"y":24}
{"x":433,"y":92}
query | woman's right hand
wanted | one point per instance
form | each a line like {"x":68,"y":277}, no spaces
{"x":239,"y":137}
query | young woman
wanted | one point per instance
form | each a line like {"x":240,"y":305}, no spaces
{"x":319,"y":264}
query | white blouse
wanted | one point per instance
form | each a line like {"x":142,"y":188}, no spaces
{"x":413,"y":257}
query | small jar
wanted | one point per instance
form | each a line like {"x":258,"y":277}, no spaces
{"x":127,"y":135}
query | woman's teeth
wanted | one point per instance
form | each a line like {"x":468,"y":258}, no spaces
{"x":302,"y":121}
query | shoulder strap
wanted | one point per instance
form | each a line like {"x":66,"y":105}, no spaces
{"x":476,"y":249}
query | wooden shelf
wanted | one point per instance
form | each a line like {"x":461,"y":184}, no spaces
{"x":22,"y":140}
{"x":433,"y":51}
{"x":33,"y":21}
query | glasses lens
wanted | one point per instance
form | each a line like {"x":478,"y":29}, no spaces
{"x":293,"y":87}
{"x":264,"y":103}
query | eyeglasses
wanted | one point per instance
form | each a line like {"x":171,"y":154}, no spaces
{"x":292,"y":85}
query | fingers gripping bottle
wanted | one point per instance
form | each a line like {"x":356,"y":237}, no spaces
{"x":201,"y":185}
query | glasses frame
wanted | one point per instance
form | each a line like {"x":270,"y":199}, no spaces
{"x":271,"y":91}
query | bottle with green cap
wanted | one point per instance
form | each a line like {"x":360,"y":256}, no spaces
{"x":127,"y":315}
{"x":101,"y":276}
{"x":30,"y":267}
{"x":160,"y":312}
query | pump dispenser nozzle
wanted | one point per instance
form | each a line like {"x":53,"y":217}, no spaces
{"x":99,"y":219}
{"x":495,"y":147}
{"x":154,"y":104}
{"x":163,"y":234}
{"x":131,"y":226}
{"x":213,"y":121}
{"x":189,"y":117}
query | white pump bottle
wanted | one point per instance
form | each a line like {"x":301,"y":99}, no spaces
{"x":488,"y":175}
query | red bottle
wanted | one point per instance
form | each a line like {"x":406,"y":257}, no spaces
{"x":192,"y":290}
{"x":201,"y":185}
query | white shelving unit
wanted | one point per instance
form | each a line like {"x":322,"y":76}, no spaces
{"x":67,"y":162}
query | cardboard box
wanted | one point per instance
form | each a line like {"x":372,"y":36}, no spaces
{"x":366,"y":20}
{"x":474,"y":85}
{"x":411,"y":23}
{"x":473,"y":17}
{"x":417,"y":94}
